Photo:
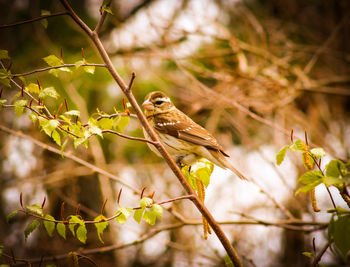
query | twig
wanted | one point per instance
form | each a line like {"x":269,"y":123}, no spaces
{"x":56,"y":67}
{"x":131,"y":137}
{"x":32,"y":20}
{"x":319,"y":255}
{"x":102,"y":18}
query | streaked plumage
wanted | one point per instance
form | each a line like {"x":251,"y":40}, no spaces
{"x":184,"y":139}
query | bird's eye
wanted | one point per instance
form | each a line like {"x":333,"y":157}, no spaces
{"x":159,"y":102}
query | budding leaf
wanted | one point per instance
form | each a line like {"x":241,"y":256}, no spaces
{"x":93,"y":127}
{"x":101,"y":225}
{"x":56,"y":137}
{"x":89,"y":69}
{"x":73,"y":113}
{"x":145,"y":202}
{"x":19,"y":106}
{"x":49,"y":226}
{"x":318,"y":152}
{"x":124,"y":215}
{"x":44,"y":21}
{"x":105,"y":123}
{"x":53,"y":61}
{"x":297,"y":146}
{"x":2,"y":102}
{"x":121,"y":122}
{"x":61,"y":229}
{"x":81,"y":233}
{"x":5,"y":77}
{"x":157,"y":210}
{"x":138,"y":214}
{"x":281,"y":155}
{"x":31,"y":227}
{"x":11,"y":215}
{"x":310,"y":179}
{"x":73,"y":221}
{"x":149,"y":217}
{"x":36,"y":208}
{"x":32,"y":88}
{"x":49,"y":91}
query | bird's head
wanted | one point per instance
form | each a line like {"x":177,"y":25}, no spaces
{"x":156,"y":103}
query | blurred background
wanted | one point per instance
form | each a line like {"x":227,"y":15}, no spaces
{"x":248,"y":71}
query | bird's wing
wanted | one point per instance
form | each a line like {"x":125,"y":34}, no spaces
{"x":187,"y":130}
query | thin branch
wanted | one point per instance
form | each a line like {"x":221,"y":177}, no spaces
{"x":116,"y":115}
{"x":32,"y":20}
{"x":155,"y":143}
{"x":102,"y":18}
{"x":319,"y":255}
{"x":56,"y":67}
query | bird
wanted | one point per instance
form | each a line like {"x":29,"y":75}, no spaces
{"x":185,"y":140}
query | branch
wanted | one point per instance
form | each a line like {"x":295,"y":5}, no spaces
{"x":155,"y":143}
{"x":56,"y":67}
{"x":102,"y":19}
{"x":32,"y":20}
{"x":159,"y":146}
{"x":319,"y":256}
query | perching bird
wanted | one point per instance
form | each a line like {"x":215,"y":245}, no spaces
{"x":185,"y":140}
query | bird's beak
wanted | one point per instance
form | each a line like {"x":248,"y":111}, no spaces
{"x":147,"y":105}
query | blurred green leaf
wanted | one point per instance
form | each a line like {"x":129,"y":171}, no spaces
{"x":73,"y":113}
{"x":318,"y":152}
{"x":81,"y":233}
{"x":36,"y":208}
{"x":100,"y":226}
{"x":149,"y":217}
{"x":121,"y":122}
{"x":49,"y":91}
{"x":4,"y":54}
{"x":307,"y":254}
{"x":49,"y":226}
{"x":105,"y":123}
{"x":138,"y":214}
{"x":339,"y":231}
{"x":281,"y":155}
{"x":61,"y":230}
{"x":2,"y":102}
{"x":74,"y":220}
{"x":11,"y":215}
{"x":31,"y":227}
{"x":56,"y":137}
{"x":124,"y":215}
{"x":297,"y":146}
{"x":53,"y":61}
{"x":32,"y":88}
{"x":94,"y":128}
{"x":157,"y":210}
{"x":44,"y":21}
{"x":145,"y":202}
{"x":333,"y":168}
{"x":5,"y":77}
{"x":33,"y":117}
{"x":19,"y":106}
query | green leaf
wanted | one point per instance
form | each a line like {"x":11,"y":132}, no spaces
{"x":281,"y":155}
{"x":308,"y":187}
{"x":121,"y":122}
{"x":11,"y":215}
{"x":44,"y":21}
{"x":318,"y":152}
{"x":63,"y":147}
{"x":56,"y":137}
{"x":33,"y":117}
{"x":107,"y":9}
{"x":297,"y":146}
{"x":54,"y":72}
{"x":74,"y":220}
{"x":329,"y":180}
{"x":78,"y":141}
{"x":5,"y":77}
{"x":81,"y":233}
{"x":145,"y":202}
{"x":157,"y":210}
{"x":36,"y":208}
{"x":100,"y":226}
{"x":32,"y":88}
{"x":61,"y":230}
{"x":65,"y":69}
{"x":334,"y":168}
{"x":73,"y":113}
{"x":310,"y":177}
{"x":53,"y":61}
{"x":105,"y":124}
{"x":4,"y":54}
{"x":48,"y":91}
{"x":124,"y":215}
{"x":19,"y":106}
{"x":138,"y":214}
{"x":79,"y":63}
{"x":49,"y":226}
{"x":89,"y":69}
{"x":190,"y":178}
{"x":339,"y":230}
{"x":48,"y":126}
{"x":149,"y":217}
{"x":202,"y":169}
{"x":31,"y":227}
{"x":93,"y":127}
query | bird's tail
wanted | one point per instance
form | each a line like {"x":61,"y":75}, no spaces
{"x":222,"y":162}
